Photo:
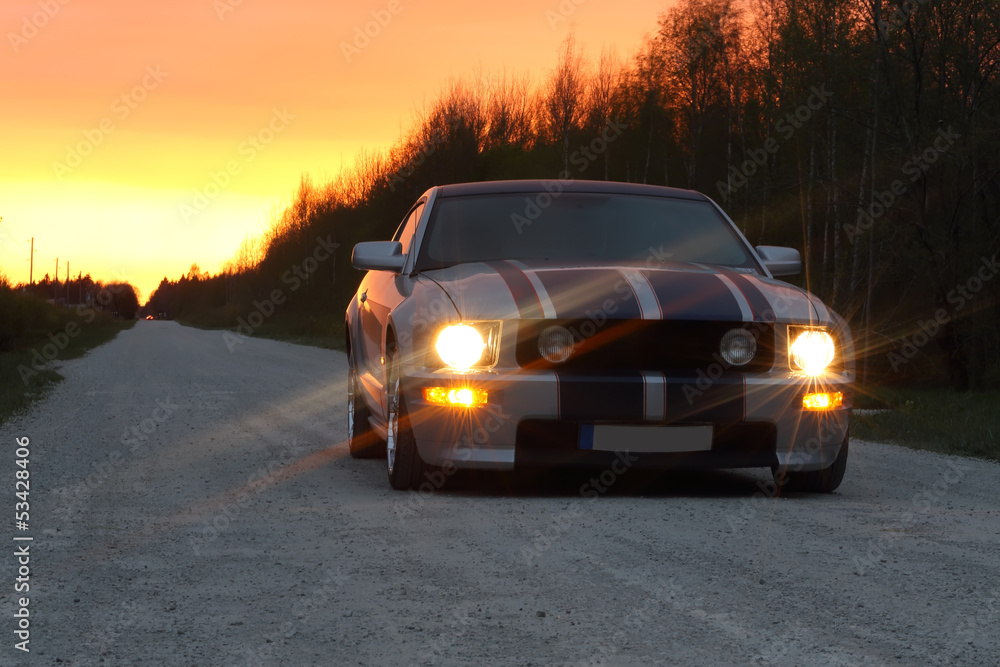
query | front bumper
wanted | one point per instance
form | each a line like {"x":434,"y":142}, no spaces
{"x":535,"y":417}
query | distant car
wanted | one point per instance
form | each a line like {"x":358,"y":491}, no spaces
{"x":550,"y":323}
{"x":149,"y":317}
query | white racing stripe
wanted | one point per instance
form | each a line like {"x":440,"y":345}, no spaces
{"x":649,"y":305}
{"x":655,"y":393}
{"x":744,"y":305}
{"x":548,"y":310}
{"x":481,"y":276}
{"x":822,"y":314}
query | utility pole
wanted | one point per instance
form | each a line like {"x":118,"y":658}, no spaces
{"x":55,"y":294}
{"x":67,"y":282}
{"x":31,"y":258}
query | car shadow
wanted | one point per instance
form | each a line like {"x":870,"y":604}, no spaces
{"x":589,"y":484}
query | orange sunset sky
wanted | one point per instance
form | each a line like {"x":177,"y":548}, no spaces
{"x":115,"y":113}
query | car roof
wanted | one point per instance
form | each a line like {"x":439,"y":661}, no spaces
{"x":557,"y":185}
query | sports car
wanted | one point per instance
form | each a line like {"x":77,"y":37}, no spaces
{"x":577,"y":323}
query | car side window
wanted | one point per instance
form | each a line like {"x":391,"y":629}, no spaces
{"x":406,"y":229}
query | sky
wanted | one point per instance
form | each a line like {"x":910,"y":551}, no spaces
{"x":138,"y":138}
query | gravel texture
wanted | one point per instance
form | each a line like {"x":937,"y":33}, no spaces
{"x":196,"y":505}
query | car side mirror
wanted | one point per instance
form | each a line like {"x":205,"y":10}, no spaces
{"x":379,"y":256}
{"x":780,"y":261}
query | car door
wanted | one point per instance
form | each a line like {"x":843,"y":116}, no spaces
{"x":379,"y":294}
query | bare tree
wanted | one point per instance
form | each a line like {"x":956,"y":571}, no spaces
{"x":564,"y":96}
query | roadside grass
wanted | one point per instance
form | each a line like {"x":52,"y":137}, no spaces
{"x":326,"y":331}
{"x":937,"y":420}
{"x":24,"y":375}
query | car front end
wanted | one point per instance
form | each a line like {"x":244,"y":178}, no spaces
{"x":735,"y":388}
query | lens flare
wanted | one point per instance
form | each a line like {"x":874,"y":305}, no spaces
{"x":823,"y":401}
{"x":465,"y":397}
{"x":812,"y":351}
{"x":459,"y":346}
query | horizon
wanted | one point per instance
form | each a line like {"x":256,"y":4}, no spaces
{"x":134,"y":154}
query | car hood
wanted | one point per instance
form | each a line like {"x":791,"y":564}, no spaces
{"x":671,"y":290}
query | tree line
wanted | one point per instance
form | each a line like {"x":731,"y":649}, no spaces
{"x":118,"y":299}
{"x":28,"y":313}
{"x":864,"y":133}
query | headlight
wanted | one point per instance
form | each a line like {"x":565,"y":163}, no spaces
{"x":810,"y":350}
{"x":468,"y":345}
{"x":738,"y":347}
{"x":556,"y":344}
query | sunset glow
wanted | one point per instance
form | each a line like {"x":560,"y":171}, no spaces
{"x":139,"y":138}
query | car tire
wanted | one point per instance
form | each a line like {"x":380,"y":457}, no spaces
{"x":815,"y":481}
{"x":362,"y":441}
{"x":404,"y":466}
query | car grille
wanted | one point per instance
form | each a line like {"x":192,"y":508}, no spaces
{"x":653,"y":345}
{"x":736,"y":445}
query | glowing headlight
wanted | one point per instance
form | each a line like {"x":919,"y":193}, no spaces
{"x":810,"y":350}
{"x":468,"y":345}
{"x":459,"y":346}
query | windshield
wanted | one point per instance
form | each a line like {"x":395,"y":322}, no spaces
{"x":579,"y":227}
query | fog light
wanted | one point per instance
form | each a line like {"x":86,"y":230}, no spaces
{"x":556,"y":344}
{"x":823,"y":401}
{"x":738,"y":347}
{"x":464,"y":397}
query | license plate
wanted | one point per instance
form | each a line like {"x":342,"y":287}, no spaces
{"x":650,"y":439}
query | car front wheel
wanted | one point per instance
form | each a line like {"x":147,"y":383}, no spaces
{"x":362,"y":441}
{"x":815,"y":481}
{"x":403,"y":462}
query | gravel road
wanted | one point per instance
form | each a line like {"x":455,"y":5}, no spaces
{"x":196,"y":505}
